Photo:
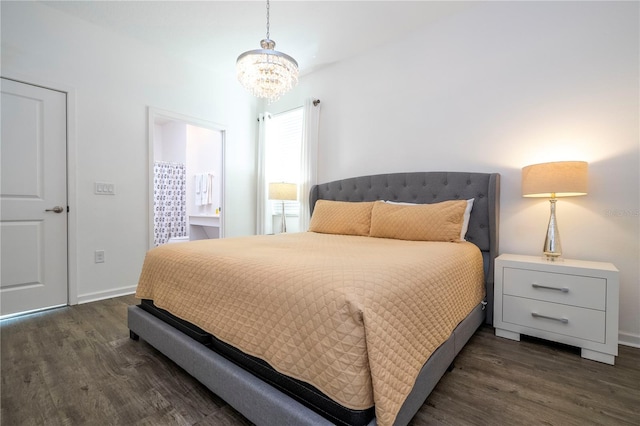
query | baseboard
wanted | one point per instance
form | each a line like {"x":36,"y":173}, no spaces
{"x":628,"y":339}
{"x":101,"y":295}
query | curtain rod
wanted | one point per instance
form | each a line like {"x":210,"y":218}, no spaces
{"x":316,"y":102}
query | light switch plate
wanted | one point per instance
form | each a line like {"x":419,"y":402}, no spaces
{"x":102,"y":188}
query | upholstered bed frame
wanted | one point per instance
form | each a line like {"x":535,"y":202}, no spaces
{"x":265,"y":405}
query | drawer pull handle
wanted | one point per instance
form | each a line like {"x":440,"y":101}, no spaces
{"x":562,"y":320}
{"x":563,"y":289}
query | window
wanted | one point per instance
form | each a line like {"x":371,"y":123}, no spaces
{"x":290,"y":141}
{"x":282,"y":160}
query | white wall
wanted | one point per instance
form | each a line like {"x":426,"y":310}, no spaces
{"x":115,"y":80}
{"x":492,"y":89}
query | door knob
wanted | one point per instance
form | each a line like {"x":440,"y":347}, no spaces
{"x":56,"y":209}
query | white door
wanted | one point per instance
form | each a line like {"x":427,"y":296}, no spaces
{"x":33,"y":198}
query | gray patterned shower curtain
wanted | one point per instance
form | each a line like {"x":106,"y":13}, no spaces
{"x":169,"y":201}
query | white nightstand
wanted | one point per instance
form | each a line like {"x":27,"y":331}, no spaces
{"x":568,"y":301}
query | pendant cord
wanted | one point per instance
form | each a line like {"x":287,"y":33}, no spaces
{"x":267,"y":19}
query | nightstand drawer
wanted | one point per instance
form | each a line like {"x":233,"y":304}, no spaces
{"x":587,"y":324}
{"x":575,"y":290}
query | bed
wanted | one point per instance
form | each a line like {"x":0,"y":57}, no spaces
{"x":351,"y":323}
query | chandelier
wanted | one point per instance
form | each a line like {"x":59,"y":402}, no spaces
{"x":265,"y":72}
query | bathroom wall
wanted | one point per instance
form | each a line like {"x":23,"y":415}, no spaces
{"x":203,"y":156}
{"x":170,"y":142}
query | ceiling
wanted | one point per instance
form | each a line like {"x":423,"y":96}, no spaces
{"x":214,"y":33}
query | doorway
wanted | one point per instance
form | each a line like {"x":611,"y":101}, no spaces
{"x":186,"y":157}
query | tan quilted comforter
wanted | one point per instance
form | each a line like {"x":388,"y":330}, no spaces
{"x":357,"y":317}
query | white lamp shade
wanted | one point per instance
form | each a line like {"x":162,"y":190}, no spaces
{"x":557,"y":179}
{"x":283,"y":191}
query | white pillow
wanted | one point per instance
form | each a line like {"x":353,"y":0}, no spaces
{"x":467,"y":216}
{"x":465,"y":221}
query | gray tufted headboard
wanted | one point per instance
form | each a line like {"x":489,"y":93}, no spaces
{"x":432,"y":187}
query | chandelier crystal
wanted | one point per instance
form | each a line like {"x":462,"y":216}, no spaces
{"x":265,"y":72}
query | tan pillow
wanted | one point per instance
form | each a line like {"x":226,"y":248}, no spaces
{"x":419,"y":222}
{"x":341,"y":217}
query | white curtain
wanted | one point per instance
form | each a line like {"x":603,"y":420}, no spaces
{"x":308,"y":168}
{"x":169,"y":201}
{"x":263,"y":217}
{"x":308,"y":158}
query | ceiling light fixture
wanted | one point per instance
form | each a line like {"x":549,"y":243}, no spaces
{"x":267,"y":73}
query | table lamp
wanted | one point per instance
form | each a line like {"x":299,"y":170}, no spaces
{"x":284,"y":192}
{"x":552,"y":180}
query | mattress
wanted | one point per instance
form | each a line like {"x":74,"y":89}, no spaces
{"x":301,"y":391}
{"x":355,"y":317}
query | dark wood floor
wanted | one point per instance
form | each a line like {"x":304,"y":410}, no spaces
{"x":77,"y":366}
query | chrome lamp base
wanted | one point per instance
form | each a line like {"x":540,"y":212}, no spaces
{"x":284,"y":219}
{"x":552,"y":248}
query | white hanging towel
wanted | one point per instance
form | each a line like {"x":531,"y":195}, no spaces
{"x":209,"y":199}
{"x":199,"y":183}
{"x":205,"y":189}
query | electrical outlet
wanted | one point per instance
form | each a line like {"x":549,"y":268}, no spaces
{"x":99,"y":256}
